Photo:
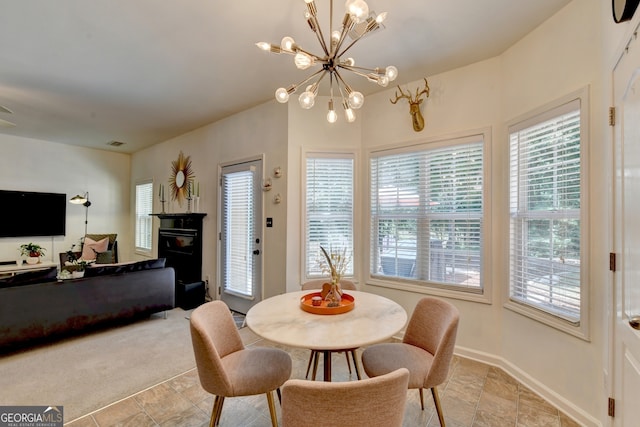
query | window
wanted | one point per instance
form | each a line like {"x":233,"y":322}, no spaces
{"x":546,"y":208}
{"x":328,"y":208}
{"x":144,"y":204}
{"x":427,"y":210}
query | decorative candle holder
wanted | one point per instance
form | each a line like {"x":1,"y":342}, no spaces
{"x":189,"y":198}
{"x":162,"y":201}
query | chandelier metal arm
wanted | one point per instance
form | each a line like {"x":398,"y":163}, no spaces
{"x":355,"y":41}
{"x":347,"y":24}
{"x":297,"y":85}
{"x":317,"y":30}
{"x":373,"y":77}
{"x":355,"y":69}
{"x":356,"y":23}
{"x":346,"y":86}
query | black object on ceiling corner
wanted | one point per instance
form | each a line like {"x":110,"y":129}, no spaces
{"x":623,"y":10}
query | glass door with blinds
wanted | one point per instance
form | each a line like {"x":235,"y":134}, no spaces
{"x":241,"y":235}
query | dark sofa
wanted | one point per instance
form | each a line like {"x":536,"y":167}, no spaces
{"x":33,"y":309}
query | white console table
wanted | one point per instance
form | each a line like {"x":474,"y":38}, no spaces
{"x":13,"y":268}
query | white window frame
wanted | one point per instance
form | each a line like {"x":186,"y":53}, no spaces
{"x":484,"y":293}
{"x":144,"y":216}
{"x":307,"y":274}
{"x":549,"y":111}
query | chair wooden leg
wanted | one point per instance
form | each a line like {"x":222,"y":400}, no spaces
{"x":421,"y":399}
{"x":279,"y":395}
{"x":355,"y":363}
{"x":313,"y":352}
{"x":214,"y":413}
{"x":315,"y":364}
{"x":436,"y":399}
{"x":346,"y":353}
{"x":272,"y":410}
{"x":217,"y":410}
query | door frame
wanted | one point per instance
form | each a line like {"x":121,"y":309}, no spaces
{"x":259,"y":231}
{"x":614,"y":315}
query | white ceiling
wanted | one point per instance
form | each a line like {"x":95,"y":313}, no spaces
{"x":88,"y":72}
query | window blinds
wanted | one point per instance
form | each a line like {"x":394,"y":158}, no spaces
{"x":237,"y":223}
{"x":427,"y":212}
{"x":144,"y":206}
{"x":545,"y":194}
{"x":329,"y":208}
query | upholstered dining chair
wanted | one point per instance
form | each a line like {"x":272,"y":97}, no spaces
{"x":226,"y":368}
{"x":372,"y":402}
{"x":426,"y":349}
{"x":315,"y":355}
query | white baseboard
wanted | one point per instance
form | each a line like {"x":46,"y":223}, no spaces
{"x":567,"y":407}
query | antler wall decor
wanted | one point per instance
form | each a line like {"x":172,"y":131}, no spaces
{"x":414,"y":105}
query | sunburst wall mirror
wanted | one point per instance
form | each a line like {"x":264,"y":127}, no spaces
{"x":181,"y":176}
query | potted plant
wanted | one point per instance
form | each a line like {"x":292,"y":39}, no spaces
{"x":80,"y":267}
{"x":77,"y":265}
{"x":32,"y":251}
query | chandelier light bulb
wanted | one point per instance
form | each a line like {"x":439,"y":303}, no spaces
{"x":380,"y":18}
{"x":358,"y":9}
{"x":303,"y":61}
{"x":307,"y":99}
{"x":391,"y":73}
{"x":264,"y":45}
{"x":332,"y":117}
{"x":335,"y":36}
{"x":282,"y":95}
{"x":350,"y":115}
{"x":287,"y":44}
{"x":356,"y":100}
{"x":333,"y":60}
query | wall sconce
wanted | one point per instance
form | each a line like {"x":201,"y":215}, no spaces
{"x":277,"y":172}
{"x":84,"y":201}
{"x":277,"y":198}
{"x":266,"y":184}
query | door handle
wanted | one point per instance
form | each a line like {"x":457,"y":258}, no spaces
{"x":635,"y":322}
{"x":256,"y":252}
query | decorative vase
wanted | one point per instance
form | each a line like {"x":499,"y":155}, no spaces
{"x":334,"y":296}
{"x":31,"y":260}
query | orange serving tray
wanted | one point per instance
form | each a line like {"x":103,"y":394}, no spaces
{"x":346,"y":304}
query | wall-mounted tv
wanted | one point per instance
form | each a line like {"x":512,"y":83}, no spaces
{"x":27,"y":214}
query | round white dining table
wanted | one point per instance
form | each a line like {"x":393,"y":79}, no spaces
{"x":280,"y":319}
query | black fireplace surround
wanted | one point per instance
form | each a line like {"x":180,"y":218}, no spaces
{"x":180,"y":243}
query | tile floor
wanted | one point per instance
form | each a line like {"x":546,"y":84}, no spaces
{"x":475,"y":395}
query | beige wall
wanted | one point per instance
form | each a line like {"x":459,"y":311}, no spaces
{"x":561,"y":56}
{"x":35,"y":165}
{"x":260,"y":131}
{"x":576,"y":48}
{"x":309,"y":131}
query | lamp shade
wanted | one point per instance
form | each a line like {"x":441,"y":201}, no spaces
{"x":78,"y":199}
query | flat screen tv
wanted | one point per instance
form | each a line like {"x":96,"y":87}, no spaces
{"x":27,"y":214}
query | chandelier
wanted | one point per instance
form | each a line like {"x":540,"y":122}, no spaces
{"x":357,"y":23}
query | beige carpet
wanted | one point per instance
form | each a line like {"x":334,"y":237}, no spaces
{"x":88,"y":372}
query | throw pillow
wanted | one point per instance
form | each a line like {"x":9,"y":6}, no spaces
{"x":104,"y":257}
{"x":91,"y":248}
